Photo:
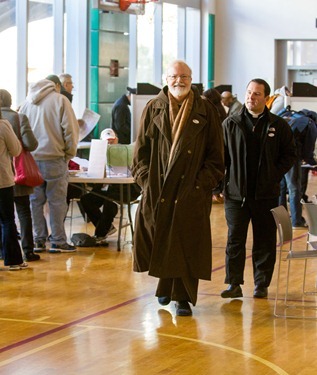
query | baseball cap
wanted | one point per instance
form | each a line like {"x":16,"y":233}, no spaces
{"x":54,"y":78}
{"x":131,"y":90}
{"x":107,"y":134}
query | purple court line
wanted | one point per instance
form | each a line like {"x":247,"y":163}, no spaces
{"x":73,"y":323}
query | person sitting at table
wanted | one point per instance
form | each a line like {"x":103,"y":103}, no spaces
{"x":100,"y":210}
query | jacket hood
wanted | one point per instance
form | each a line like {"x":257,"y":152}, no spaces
{"x":39,"y":90}
{"x":281,"y":91}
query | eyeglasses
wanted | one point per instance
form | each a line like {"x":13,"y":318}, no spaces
{"x":183,"y":77}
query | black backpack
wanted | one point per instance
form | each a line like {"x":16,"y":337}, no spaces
{"x":83,"y":240}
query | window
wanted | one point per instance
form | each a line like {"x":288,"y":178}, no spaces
{"x":40,"y":40}
{"x":8,"y":43}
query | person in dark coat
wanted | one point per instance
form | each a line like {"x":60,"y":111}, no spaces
{"x":23,"y":131}
{"x":121,"y":117}
{"x":214,"y":97}
{"x":178,"y":160}
{"x":259,"y":150}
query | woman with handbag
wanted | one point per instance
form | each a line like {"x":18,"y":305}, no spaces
{"x":23,"y":131}
{"x":9,"y":147}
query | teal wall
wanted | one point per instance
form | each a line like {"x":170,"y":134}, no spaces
{"x":211,"y":50}
{"x":109,"y":40}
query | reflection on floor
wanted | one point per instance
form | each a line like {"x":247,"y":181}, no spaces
{"x":88,"y":313}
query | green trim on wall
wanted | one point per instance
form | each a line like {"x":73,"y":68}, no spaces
{"x":211,"y":50}
{"x":94,"y":84}
{"x":94,"y":62}
{"x":94,"y":19}
{"x":94,"y":43}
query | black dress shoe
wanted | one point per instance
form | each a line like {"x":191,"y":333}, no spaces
{"x":30,"y":256}
{"x":233,"y":291}
{"x":183,"y":308}
{"x":260,"y":292}
{"x":164,"y":300}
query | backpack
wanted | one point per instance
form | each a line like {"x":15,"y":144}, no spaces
{"x":83,"y":240}
{"x":270,"y":101}
{"x":304,"y":126}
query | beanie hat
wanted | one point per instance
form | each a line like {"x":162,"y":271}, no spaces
{"x":54,"y":78}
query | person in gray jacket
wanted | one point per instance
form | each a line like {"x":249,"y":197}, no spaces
{"x":23,"y":131}
{"x":259,"y":150}
{"x":55,"y":126}
{"x":231,"y":102}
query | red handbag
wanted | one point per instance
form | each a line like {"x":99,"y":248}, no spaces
{"x":26,"y":170}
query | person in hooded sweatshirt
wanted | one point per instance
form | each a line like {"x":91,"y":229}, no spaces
{"x":55,"y":126}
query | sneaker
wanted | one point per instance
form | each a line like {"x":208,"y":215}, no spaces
{"x":30,"y":256}
{"x":39,"y":247}
{"x":17,"y":267}
{"x":102,"y":241}
{"x":111,"y":230}
{"x":62,"y":248}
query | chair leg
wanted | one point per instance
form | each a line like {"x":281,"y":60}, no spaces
{"x":277,"y":286}
{"x":287,"y":281}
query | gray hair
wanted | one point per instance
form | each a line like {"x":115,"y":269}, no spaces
{"x":64,"y":76}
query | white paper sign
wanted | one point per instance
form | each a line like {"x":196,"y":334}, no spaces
{"x":97,"y":159}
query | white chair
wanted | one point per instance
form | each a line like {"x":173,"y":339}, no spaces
{"x":311,"y":216}
{"x":293,"y":306}
{"x":71,"y":215}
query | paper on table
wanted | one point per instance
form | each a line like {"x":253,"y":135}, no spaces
{"x":83,"y":163}
{"x":97,"y":158}
{"x":90,"y":120}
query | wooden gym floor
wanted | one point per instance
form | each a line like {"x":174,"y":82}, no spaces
{"x":88,"y":313}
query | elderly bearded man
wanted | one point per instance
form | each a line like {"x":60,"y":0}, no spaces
{"x":178,"y":160}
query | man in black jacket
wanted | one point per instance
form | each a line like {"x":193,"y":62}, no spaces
{"x":259,"y":150}
{"x":121,"y":117}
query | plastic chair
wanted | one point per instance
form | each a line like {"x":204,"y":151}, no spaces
{"x":288,"y":254}
{"x":311,"y":217}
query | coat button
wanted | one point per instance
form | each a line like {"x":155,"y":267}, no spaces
{"x":175,"y":201}
{"x":189,"y":151}
{"x":197,"y":187}
{"x":182,"y":177}
{"x":162,"y":200}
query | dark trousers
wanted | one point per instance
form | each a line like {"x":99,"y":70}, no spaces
{"x":102,"y":220}
{"x":11,"y":250}
{"x":22,"y":205}
{"x":178,"y":289}
{"x":238,"y":217}
{"x":91,"y":203}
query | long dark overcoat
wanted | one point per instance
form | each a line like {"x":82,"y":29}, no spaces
{"x":172,"y":232}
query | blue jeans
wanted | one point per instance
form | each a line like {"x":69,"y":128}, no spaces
{"x":11,"y":250}
{"x":292,"y":183}
{"x":54,"y":192}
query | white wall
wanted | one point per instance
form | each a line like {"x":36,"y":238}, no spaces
{"x":245,"y":35}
